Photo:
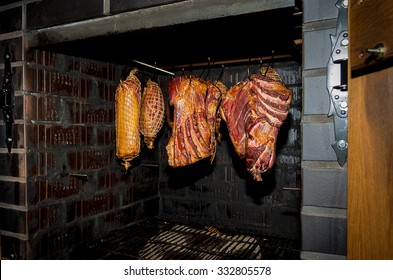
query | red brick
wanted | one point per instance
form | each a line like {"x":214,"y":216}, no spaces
{"x":83,"y":88}
{"x":107,"y":179}
{"x":60,"y":189}
{"x":98,"y":204}
{"x":72,"y":160}
{"x":37,"y":56}
{"x":51,"y":110}
{"x":30,"y":78}
{"x":83,"y":136}
{"x":82,"y":111}
{"x":30,"y":107}
{"x":96,"y":159}
{"x":61,"y":83}
{"x":61,"y":136}
{"x":40,"y":163}
{"x":31,"y":135}
{"x":90,"y":136}
{"x":103,"y":91}
{"x":105,"y":137}
{"x":41,"y":81}
{"x":75,"y":111}
{"x":95,"y":69}
{"x":97,"y":116}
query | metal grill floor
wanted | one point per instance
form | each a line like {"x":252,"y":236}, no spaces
{"x":158,"y":239}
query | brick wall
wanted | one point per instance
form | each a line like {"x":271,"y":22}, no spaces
{"x":324,"y":181}
{"x":61,"y":184}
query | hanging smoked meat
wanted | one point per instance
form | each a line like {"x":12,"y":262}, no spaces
{"x":254,"y":110}
{"x":152,"y":112}
{"x":195,"y":105}
{"x":213,"y":99}
{"x":127,"y":105}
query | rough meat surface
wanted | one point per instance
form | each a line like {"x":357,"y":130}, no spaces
{"x":254,"y":110}
{"x":195,"y":105}
{"x":127,"y":106}
{"x":152,"y":113}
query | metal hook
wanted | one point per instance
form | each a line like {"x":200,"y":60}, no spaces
{"x":155,"y":73}
{"x":208,"y":69}
{"x":270,"y":62}
{"x":248,"y":67}
{"x":221,"y":73}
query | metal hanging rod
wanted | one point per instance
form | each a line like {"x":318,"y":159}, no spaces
{"x":233,"y":61}
{"x":154,"y":67}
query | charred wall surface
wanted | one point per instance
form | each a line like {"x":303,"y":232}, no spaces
{"x":61,"y":184}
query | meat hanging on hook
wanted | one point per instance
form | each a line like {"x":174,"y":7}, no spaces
{"x":208,"y":70}
{"x":195,"y":103}
{"x":127,"y":107}
{"x":270,"y":63}
{"x":152,"y":114}
{"x":254,"y":110}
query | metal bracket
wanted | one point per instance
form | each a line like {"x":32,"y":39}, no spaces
{"x":337,"y":82}
{"x":6,"y":99}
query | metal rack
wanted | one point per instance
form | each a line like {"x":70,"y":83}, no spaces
{"x":159,"y":239}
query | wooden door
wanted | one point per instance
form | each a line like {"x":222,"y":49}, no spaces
{"x":370,"y":132}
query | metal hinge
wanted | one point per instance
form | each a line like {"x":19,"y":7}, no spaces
{"x":337,"y":82}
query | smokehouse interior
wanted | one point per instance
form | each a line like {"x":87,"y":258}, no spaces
{"x":178,"y":129}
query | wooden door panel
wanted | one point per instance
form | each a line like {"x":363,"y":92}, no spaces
{"x":370,"y":166}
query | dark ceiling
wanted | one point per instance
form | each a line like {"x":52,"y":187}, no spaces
{"x":221,"y":39}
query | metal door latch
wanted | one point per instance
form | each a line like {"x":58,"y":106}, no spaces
{"x":337,"y":82}
{"x":378,"y":52}
{"x":6,"y":102}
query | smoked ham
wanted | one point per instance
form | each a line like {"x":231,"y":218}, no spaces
{"x":152,"y":114}
{"x":195,"y":103}
{"x":127,"y":108}
{"x":254,"y":110}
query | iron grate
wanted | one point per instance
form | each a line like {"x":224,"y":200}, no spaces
{"x":159,"y":239}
